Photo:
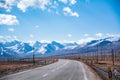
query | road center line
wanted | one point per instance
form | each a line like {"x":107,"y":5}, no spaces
{"x":63,"y":65}
{"x":84,"y":73}
{"x":45,"y":75}
{"x":60,"y":67}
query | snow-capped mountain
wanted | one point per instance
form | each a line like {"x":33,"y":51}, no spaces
{"x":23,"y":49}
{"x":14,"y":48}
{"x":18,"y":48}
{"x":105,"y":45}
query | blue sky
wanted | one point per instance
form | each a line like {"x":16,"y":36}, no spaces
{"x":62,"y":20}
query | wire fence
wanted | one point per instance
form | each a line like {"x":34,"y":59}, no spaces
{"x":8,"y":66}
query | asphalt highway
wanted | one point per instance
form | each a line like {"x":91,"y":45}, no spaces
{"x":61,"y":70}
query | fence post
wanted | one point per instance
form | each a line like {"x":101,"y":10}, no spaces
{"x":113,"y":56}
{"x":33,"y":58}
{"x":110,"y":73}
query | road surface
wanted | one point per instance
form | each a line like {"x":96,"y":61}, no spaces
{"x":61,"y":70}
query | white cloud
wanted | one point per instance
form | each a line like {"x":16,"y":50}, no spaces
{"x":68,"y":11}
{"x":15,"y":37}
{"x":112,"y":35}
{"x":99,"y":34}
{"x":7,"y":38}
{"x":31,"y":35}
{"x":2,"y":38}
{"x":86,"y":35}
{"x":73,"y":2}
{"x":45,"y":41}
{"x":55,"y":4}
{"x":66,"y":41}
{"x":24,"y":4}
{"x":84,"y":41}
{"x":69,"y":35}
{"x":11,"y":29}
{"x":8,"y":19}
{"x":64,"y":1}
{"x":7,"y":4}
{"x":48,"y":5}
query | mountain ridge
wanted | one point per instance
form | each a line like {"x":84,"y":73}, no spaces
{"x":18,"y":48}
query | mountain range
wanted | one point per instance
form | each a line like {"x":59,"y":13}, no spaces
{"x":16,"y":48}
{"x":101,"y":46}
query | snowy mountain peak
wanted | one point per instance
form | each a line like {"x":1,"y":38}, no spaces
{"x":18,"y":48}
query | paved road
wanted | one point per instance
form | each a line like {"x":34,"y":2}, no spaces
{"x":61,"y":70}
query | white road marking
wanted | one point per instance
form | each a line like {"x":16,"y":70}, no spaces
{"x":84,"y":73}
{"x":45,"y":75}
{"x":60,"y":67}
{"x":63,"y":65}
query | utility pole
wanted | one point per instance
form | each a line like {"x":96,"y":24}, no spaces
{"x":112,"y":56}
{"x":87,"y":55}
{"x":101,"y":53}
{"x":104,"y":56}
{"x":97,"y":53}
{"x":33,"y":58}
{"x":115,"y":55}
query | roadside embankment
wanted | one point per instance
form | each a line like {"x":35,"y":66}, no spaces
{"x":10,"y":66}
{"x":104,"y":72}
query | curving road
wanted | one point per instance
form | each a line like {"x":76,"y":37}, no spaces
{"x":61,"y":70}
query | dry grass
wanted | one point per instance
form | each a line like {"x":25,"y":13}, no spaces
{"x":8,"y":67}
{"x":13,"y":66}
{"x":117,"y":63}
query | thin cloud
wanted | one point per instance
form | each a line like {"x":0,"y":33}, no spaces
{"x":85,"y":40}
{"x":86,"y":35}
{"x":8,"y":38}
{"x":7,"y":4}
{"x":37,"y":26}
{"x":73,"y":2}
{"x":68,"y":11}
{"x":99,"y":34}
{"x":45,"y":41}
{"x":31,"y":35}
{"x":112,"y":35}
{"x":55,"y":4}
{"x":64,"y":1}
{"x":69,"y":35}
{"x":15,"y":37}
{"x":11,"y":29}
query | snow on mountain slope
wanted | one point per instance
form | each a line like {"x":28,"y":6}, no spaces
{"x":13,"y":47}
{"x":105,"y":44}
{"x":70,"y":45}
{"x":42,"y":49}
{"x":17,"y":48}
